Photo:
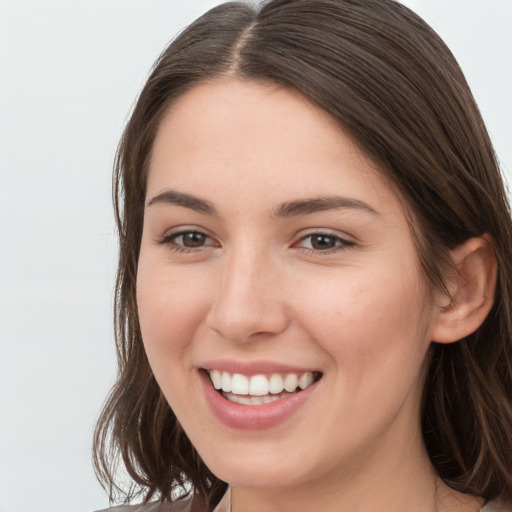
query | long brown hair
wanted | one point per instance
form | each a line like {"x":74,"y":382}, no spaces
{"x":391,"y":82}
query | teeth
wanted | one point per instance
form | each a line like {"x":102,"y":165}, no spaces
{"x":216,"y":377}
{"x":258,"y":386}
{"x":226,"y":382}
{"x":290,"y":383}
{"x":239,"y":384}
{"x":305,"y":380}
{"x":276,"y":384}
{"x":254,"y":400}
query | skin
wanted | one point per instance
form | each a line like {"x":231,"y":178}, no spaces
{"x":257,"y":287}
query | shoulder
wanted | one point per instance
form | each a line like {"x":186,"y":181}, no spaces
{"x":147,"y":507}
{"x":497,"y":506}
{"x":185,"y":505}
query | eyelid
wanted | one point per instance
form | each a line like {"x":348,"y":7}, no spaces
{"x":168,"y":239}
{"x":343,"y":241}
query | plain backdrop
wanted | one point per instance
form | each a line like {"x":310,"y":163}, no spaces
{"x":69,"y":73}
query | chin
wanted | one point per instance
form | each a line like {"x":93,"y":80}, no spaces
{"x":258,"y":477}
{"x":256,"y":468}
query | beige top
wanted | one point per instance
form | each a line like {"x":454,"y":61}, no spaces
{"x":496,"y":507}
{"x":191,"y":505}
{"x":185,"y":505}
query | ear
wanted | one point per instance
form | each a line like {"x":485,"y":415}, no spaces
{"x":471,"y":289}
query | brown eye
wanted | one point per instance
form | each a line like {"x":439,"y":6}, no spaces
{"x":323,"y":242}
{"x":187,"y":240}
{"x":191,"y":239}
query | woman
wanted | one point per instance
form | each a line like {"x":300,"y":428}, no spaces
{"x":313,"y":297}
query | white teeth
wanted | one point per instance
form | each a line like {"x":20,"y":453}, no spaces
{"x":290,"y":383}
{"x":216,"y":377}
{"x":239,"y":384}
{"x":260,"y":385}
{"x":254,"y":400}
{"x":305,"y":380}
{"x":226,"y":382}
{"x":275,"y":384}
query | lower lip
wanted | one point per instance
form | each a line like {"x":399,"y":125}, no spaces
{"x":253,"y":417}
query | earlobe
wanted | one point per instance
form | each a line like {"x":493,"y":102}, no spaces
{"x":471,"y":289}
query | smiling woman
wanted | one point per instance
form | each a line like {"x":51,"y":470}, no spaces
{"x":313,"y":298}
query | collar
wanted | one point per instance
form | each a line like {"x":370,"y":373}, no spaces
{"x":225,"y":503}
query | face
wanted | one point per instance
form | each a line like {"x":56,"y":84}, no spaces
{"x":274,"y":257}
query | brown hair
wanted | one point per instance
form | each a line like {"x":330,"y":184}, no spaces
{"x":391,"y":82}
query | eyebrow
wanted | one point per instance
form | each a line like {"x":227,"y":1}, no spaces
{"x":185,"y":200}
{"x":288,"y":209}
{"x":321,"y":204}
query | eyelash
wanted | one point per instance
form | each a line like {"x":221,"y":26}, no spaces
{"x":341,"y":244}
{"x":170,"y":241}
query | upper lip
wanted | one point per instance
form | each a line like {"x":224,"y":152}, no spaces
{"x":250,"y":368}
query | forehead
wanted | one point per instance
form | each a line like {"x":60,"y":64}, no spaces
{"x":237,"y":135}
{"x":245,"y":116}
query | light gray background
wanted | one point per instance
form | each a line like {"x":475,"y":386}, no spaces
{"x":69,"y":72}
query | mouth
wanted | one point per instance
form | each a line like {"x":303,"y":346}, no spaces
{"x":261,"y":388}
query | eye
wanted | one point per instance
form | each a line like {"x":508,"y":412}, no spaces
{"x":189,"y":240}
{"x":323,"y":242}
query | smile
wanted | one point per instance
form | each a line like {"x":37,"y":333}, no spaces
{"x":260,"y":389}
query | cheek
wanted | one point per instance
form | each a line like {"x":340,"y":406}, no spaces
{"x":376,"y":346}
{"x":170,"y":310}
{"x":367,"y":318}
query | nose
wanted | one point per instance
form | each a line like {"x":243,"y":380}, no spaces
{"x":249,"y":303}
